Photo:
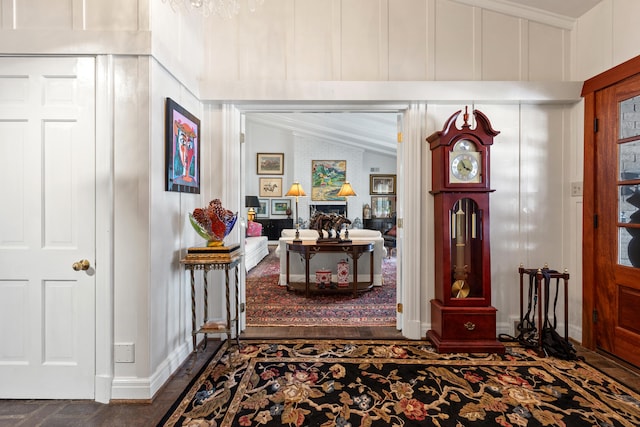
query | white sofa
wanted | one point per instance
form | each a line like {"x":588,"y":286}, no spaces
{"x":255,"y":249}
{"x":330,"y":260}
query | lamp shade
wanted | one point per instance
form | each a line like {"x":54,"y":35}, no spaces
{"x":251,"y":201}
{"x":296,"y":190}
{"x":346,"y":190}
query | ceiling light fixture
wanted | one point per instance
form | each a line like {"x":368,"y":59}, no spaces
{"x":225,"y":9}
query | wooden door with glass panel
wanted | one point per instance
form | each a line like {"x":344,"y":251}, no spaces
{"x":617,"y":221}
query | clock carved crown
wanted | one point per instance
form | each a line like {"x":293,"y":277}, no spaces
{"x":461,"y":155}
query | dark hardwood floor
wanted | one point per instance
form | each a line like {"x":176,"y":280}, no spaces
{"x":71,"y":413}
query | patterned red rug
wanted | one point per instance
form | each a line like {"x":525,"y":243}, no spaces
{"x":269,"y":304}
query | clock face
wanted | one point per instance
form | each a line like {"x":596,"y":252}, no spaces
{"x":465,"y":167}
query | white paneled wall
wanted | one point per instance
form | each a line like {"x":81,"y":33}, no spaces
{"x":604,"y":37}
{"x":408,"y":60}
{"x":90,"y":15}
{"x":501,"y":58}
{"x":382,"y":40}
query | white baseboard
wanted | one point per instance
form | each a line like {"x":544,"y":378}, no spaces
{"x":137,"y":388}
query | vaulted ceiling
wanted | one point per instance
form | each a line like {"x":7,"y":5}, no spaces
{"x":569,"y":8}
{"x":377,"y":131}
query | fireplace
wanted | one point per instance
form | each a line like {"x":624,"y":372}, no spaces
{"x":340,"y":209}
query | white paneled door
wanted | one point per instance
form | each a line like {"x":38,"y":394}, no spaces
{"x":47,"y":226}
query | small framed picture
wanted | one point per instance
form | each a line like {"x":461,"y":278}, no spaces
{"x":182,"y":149}
{"x":383,"y":206}
{"x":382,"y":184}
{"x":270,"y":187}
{"x":280,"y":207}
{"x":270,"y":164}
{"x":263,"y":210}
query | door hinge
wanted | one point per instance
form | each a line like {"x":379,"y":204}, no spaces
{"x":399,"y":307}
{"x":242,"y":307}
{"x":595,"y":125}
{"x":399,"y":137}
{"x":595,"y":221}
{"x":595,"y":316}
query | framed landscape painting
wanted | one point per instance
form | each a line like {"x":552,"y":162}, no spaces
{"x":327,"y":176}
{"x":270,"y":164}
{"x":280,"y":207}
{"x":182,"y":149}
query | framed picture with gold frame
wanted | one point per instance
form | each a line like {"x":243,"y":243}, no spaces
{"x":270,"y":163}
{"x":382,"y":184}
{"x":270,"y":187}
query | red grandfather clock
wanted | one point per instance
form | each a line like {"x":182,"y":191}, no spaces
{"x":462,"y":318}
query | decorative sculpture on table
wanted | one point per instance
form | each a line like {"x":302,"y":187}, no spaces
{"x":213,"y":223}
{"x":330,"y":223}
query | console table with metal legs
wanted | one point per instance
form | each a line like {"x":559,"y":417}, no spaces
{"x":205,"y":260}
{"x":307,"y":249}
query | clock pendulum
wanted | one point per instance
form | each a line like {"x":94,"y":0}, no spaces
{"x":460,"y":288}
{"x":462,"y":318}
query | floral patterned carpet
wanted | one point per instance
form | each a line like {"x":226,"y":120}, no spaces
{"x":396,"y":383}
{"x":269,"y":304}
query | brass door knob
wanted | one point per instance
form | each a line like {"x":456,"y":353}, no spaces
{"x":81,"y":265}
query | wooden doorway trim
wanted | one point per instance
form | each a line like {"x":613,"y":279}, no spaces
{"x":590,"y":87}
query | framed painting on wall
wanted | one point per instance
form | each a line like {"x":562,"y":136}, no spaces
{"x":382,"y":184}
{"x":182,"y":149}
{"x":263,"y":210}
{"x":270,"y":187}
{"x":270,"y":164}
{"x":327,"y":176}
{"x":280,"y":207}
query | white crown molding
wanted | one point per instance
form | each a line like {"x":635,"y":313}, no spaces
{"x":523,"y":11}
{"x":365,"y":93}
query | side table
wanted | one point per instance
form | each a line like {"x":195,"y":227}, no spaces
{"x":207,"y":259}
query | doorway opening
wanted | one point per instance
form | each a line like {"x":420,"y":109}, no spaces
{"x":365,"y":141}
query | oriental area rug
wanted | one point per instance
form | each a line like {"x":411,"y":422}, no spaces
{"x":396,"y":383}
{"x":269,"y":304}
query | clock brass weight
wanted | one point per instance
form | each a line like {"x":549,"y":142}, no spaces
{"x":462,"y":318}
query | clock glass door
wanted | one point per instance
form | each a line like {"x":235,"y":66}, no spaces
{"x":466,"y":250}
